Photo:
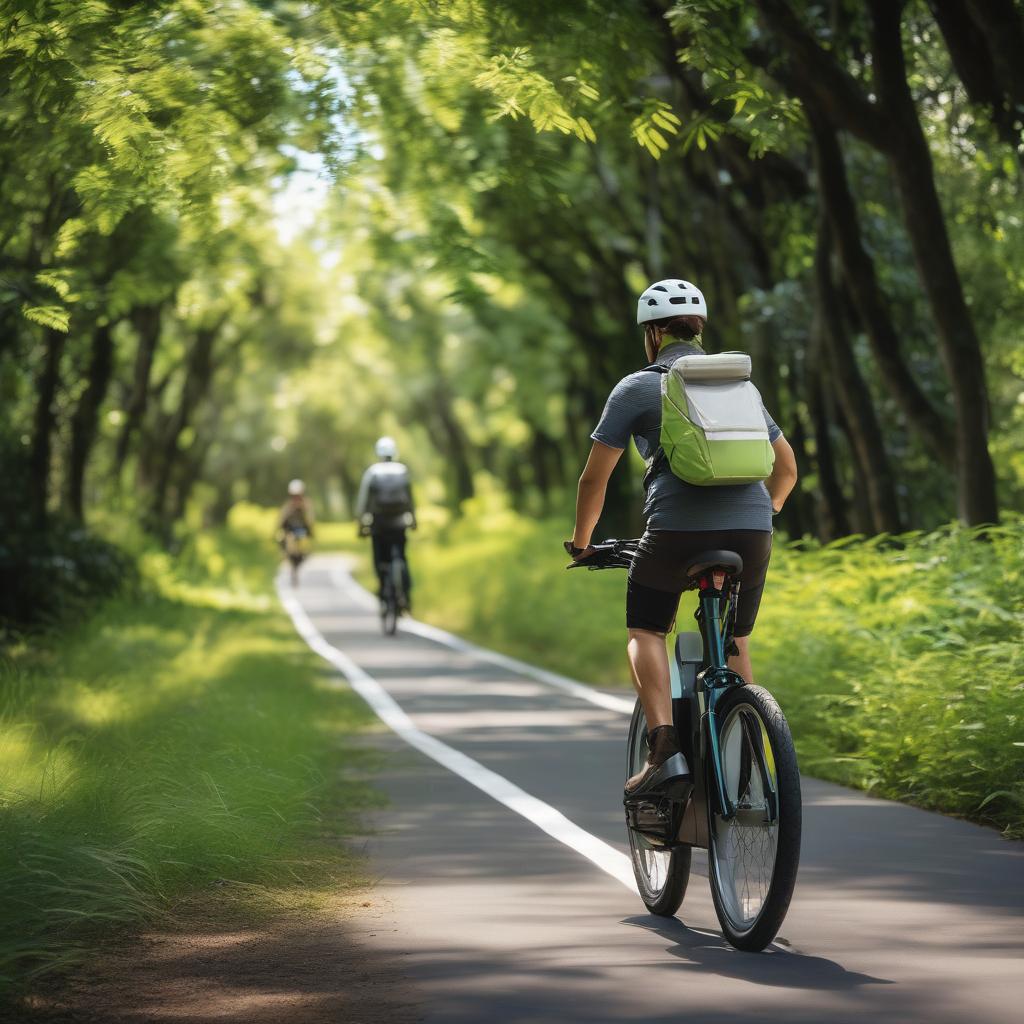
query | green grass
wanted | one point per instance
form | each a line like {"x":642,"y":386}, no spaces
{"x":180,"y":744}
{"x":899,"y":664}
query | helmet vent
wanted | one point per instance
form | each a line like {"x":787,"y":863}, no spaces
{"x":652,"y":302}
{"x":659,"y":288}
{"x":695,"y":300}
{"x":677,"y":300}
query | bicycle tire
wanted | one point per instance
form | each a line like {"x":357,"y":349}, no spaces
{"x":662,"y":875}
{"x":388,"y":609}
{"x":747,"y":716}
{"x":398,"y":583}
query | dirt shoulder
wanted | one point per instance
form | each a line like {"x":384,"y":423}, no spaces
{"x":303,"y":967}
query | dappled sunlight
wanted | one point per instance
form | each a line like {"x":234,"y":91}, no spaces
{"x":32,"y":767}
{"x":184,"y":738}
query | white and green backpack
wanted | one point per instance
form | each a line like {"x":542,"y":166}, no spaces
{"x":713,"y":430}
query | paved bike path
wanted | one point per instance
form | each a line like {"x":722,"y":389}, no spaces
{"x":899,"y":914}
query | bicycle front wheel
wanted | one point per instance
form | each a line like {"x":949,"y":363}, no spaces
{"x":661,"y":873}
{"x":754,"y":855}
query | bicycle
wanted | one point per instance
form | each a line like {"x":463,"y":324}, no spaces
{"x":393,"y":597}
{"x":296,"y":544}
{"x":743,"y":805}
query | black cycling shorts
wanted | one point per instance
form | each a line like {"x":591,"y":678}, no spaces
{"x":658,"y":574}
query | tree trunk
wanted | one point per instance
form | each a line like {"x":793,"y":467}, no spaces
{"x":44,"y":421}
{"x":85,"y":420}
{"x":456,"y":449}
{"x":1001,"y":24}
{"x":833,"y":521}
{"x":146,"y":321}
{"x":859,"y":270}
{"x":977,"y":501}
{"x":974,"y":60}
{"x":891,"y":125}
{"x":198,"y":374}
{"x":854,"y":396}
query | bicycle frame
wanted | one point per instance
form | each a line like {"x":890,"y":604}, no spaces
{"x":716,"y":627}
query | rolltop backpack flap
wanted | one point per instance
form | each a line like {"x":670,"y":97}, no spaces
{"x":713,"y":429}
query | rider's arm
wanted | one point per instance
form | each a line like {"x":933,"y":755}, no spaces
{"x":412,"y":509}
{"x":783,"y":476}
{"x":363,"y":496}
{"x":590,"y":496}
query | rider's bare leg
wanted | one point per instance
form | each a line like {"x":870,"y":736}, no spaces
{"x":648,"y":660}
{"x":741,"y":662}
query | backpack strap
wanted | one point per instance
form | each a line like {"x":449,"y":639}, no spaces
{"x":658,"y":460}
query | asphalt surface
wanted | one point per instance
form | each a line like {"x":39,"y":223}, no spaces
{"x":899,"y":914}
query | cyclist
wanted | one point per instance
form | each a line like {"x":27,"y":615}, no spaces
{"x":295,"y":526}
{"x":682,"y":520}
{"x":384,"y":510}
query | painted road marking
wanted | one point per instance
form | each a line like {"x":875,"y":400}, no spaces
{"x":547,"y":818}
{"x":623,"y":705}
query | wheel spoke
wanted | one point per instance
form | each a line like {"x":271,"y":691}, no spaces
{"x":744,"y":846}
{"x":653,"y":865}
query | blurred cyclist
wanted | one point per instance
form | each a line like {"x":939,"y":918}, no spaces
{"x":384,"y":510}
{"x":295,"y":527}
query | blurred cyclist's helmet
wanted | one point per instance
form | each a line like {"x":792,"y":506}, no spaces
{"x":296,"y":487}
{"x":386,"y":448}
{"x":670,"y":298}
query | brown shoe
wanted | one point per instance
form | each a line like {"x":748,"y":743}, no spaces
{"x":666,"y":771}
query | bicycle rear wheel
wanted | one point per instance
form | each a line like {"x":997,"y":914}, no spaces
{"x":388,"y":608}
{"x":398,"y":583}
{"x":753,"y":857}
{"x":661,"y":873}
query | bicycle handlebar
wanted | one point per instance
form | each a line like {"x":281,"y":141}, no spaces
{"x":609,"y":554}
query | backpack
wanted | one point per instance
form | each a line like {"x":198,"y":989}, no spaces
{"x":389,"y":495}
{"x":713,"y":431}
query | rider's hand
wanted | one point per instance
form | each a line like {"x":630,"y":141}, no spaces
{"x":575,"y":553}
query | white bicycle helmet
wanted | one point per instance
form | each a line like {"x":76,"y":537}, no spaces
{"x":386,"y":448}
{"x":296,"y":487}
{"x":671,"y":297}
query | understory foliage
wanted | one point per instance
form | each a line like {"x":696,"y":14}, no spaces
{"x":899,"y":661}
{"x":177,"y":746}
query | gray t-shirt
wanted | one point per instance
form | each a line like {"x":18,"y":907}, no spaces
{"x":634,"y":408}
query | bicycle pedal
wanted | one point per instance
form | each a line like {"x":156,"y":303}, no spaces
{"x":654,"y":819}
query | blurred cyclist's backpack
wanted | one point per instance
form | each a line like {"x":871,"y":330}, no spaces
{"x":390,"y":494}
{"x":713,"y":430}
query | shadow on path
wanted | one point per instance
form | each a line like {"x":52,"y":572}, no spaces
{"x":708,"y":951}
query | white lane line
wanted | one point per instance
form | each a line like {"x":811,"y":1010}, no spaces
{"x":543,"y":815}
{"x":343,"y":581}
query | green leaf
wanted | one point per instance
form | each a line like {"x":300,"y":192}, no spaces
{"x":54,"y":317}
{"x":586,"y":129}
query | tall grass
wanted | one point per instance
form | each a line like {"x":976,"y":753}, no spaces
{"x":180,"y":742}
{"x":898,"y":661}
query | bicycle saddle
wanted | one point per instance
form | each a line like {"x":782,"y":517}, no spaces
{"x":727,"y":560}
